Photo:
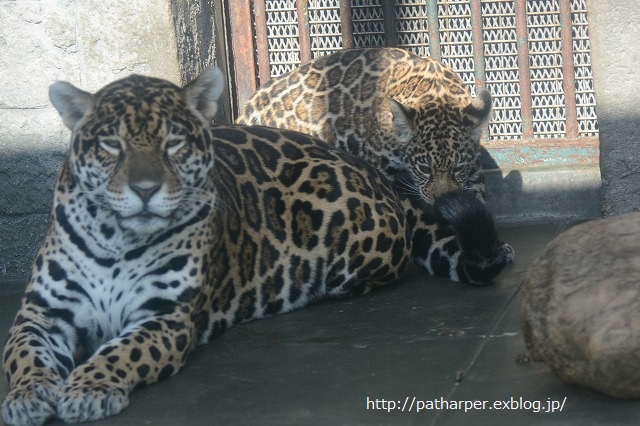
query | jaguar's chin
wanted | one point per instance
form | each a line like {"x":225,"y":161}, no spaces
{"x":144,"y":223}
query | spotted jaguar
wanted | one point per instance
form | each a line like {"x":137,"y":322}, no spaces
{"x":165,"y":231}
{"x":400,"y":112}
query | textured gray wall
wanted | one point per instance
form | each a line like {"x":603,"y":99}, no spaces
{"x":615,"y":44}
{"x":86,"y":42}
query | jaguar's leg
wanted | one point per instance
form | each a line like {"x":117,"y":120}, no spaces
{"x":38,"y":356}
{"x":143,"y":354}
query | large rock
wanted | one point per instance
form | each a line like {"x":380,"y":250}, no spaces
{"x":582,"y":306}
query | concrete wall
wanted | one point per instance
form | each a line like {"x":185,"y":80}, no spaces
{"x":88,"y":43}
{"x":543,"y":194}
{"x":615,"y":51}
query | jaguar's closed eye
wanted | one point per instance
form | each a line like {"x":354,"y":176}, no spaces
{"x":111,"y":145}
{"x":174,"y":145}
{"x":460,"y":169}
{"x":424,"y":169}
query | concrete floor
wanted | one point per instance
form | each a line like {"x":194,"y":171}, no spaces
{"x":333,"y":362}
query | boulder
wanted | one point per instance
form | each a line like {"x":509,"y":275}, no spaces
{"x":582,"y":306}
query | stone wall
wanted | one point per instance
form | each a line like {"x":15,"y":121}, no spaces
{"x":615,"y":37}
{"x":88,"y":43}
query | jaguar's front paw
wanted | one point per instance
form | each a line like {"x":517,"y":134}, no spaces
{"x":507,"y":253}
{"x":32,"y":404}
{"x":91,"y":402}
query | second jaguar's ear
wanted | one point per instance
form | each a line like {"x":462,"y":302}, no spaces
{"x":72,"y":104}
{"x":478,"y":112}
{"x":202,"y":94}
{"x":401,"y":117}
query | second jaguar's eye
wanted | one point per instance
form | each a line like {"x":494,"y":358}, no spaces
{"x":174,"y":145}
{"x":460,"y":169}
{"x":424,"y":169}
{"x":111,"y":145}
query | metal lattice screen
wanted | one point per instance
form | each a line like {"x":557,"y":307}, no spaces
{"x":533,"y":55}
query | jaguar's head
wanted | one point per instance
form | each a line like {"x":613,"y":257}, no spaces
{"x":440,"y":145}
{"x":141,"y":147}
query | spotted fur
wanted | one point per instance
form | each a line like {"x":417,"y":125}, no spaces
{"x":400,"y":112}
{"x":165,"y":232}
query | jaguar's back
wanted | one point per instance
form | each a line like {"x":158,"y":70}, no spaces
{"x":298,"y":221}
{"x":396,"y":110}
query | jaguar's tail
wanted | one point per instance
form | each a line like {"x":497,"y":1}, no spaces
{"x":483,"y":254}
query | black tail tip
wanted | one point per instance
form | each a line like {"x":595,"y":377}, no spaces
{"x":469,"y":217}
{"x":461,"y":209}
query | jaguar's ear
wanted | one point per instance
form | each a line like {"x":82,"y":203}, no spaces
{"x":72,"y":104}
{"x":202,"y":94}
{"x":478,"y":112}
{"x":401,"y":117}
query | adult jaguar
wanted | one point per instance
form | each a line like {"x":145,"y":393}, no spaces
{"x":396,"y":110}
{"x":165,"y":231}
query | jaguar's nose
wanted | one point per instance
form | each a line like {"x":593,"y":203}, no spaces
{"x":145,"y":189}
{"x":443,"y":184}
